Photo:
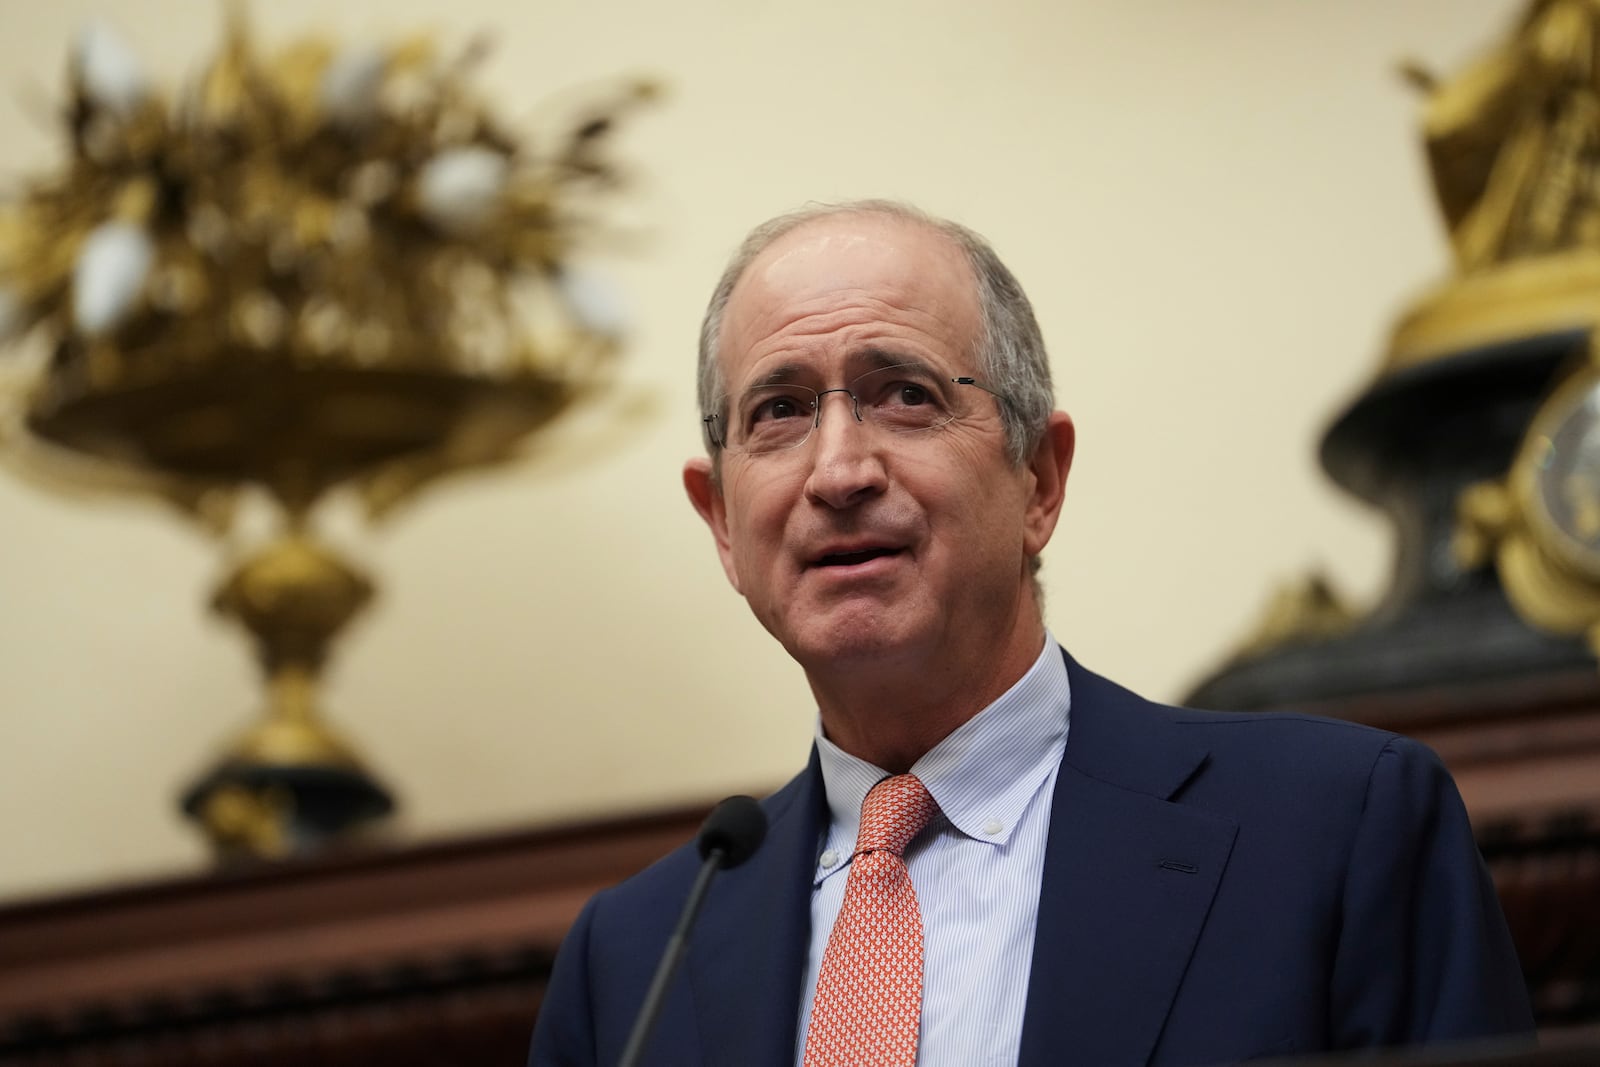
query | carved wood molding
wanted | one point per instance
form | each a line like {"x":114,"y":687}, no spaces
{"x":331,"y":960}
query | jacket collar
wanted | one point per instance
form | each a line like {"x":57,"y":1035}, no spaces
{"x":1129,"y":877}
{"x":1122,"y":739}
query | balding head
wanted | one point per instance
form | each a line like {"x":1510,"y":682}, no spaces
{"x":1010,"y":352}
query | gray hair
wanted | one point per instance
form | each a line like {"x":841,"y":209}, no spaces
{"x":1011,"y":356}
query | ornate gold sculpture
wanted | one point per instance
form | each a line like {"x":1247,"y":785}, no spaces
{"x":1514,"y":145}
{"x":1306,"y":610}
{"x":323,"y":268}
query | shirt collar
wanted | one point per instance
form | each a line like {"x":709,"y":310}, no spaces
{"x":984,"y":773}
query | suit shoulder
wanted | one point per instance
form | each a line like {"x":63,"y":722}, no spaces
{"x":1303,"y":747}
{"x":1129,"y":717}
{"x":1283,"y":722}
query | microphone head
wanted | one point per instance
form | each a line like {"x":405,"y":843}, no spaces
{"x":737,"y":827}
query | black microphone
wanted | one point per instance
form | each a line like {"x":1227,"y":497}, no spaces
{"x":735,"y":828}
{"x":729,"y":836}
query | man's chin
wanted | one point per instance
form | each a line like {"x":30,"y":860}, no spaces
{"x":844,"y":639}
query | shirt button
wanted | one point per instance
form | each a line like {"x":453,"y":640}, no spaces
{"x":993,"y":826}
{"x":829,"y":860}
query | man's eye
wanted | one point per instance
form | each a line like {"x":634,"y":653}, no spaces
{"x":910,"y":394}
{"x":902,"y":394}
{"x":778,"y":407}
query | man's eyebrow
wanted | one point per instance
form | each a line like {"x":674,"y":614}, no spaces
{"x":784,"y":375}
{"x":862,"y":361}
{"x":876,"y":358}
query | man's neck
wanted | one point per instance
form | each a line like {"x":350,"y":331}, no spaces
{"x":891,"y":714}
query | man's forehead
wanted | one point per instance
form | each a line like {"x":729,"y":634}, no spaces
{"x":899,"y":262}
{"x":851,"y":251}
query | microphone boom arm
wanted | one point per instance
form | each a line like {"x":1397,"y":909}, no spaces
{"x":731,"y":834}
{"x":669,"y":961}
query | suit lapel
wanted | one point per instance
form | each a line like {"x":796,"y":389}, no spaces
{"x":748,"y":955}
{"x":1129,"y":877}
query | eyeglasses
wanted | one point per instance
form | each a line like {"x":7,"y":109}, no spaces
{"x":908,"y":398}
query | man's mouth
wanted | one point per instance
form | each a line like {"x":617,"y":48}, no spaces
{"x":853,"y":557}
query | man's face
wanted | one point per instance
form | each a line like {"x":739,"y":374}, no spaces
{"x":860,"y":546}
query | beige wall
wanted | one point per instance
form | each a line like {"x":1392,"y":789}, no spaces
{"x":1217,"y":206}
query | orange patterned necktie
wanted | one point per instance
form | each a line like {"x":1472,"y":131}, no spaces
{"x":869,"y":992}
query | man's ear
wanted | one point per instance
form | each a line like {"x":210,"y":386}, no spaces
{"x":1049,"y":465}
{"x":705,"y":493}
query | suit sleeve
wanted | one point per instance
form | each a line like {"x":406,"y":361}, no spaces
{"x":1423,"y":952}
{"x":563,"y":1036}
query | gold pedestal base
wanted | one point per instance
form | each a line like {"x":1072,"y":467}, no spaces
{"x":290,"y":783}
{"x":1516,"y":299}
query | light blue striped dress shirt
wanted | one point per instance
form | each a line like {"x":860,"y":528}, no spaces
{"x":976,"y":869}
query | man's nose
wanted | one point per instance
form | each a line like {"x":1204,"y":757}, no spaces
{"x":846,"y":466}
{"x":854,"y":405}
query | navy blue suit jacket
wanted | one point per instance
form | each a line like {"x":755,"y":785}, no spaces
{"x":1216,"y":887}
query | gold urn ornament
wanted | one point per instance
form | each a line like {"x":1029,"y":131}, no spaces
{"x":327,"y":268}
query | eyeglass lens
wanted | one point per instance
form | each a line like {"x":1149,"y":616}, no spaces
{"x":908,"y":398}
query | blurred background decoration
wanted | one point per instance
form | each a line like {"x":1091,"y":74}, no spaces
{"x":321,"y":268}
{"x":1479,"y":439}
{"x":1512,"y":142}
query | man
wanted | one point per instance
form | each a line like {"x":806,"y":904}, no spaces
{"x":1089,"y":878}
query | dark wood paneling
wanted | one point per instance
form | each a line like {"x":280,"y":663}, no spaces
{"x":425,"y":955}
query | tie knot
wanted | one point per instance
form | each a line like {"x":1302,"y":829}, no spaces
{"x":895,"y":811}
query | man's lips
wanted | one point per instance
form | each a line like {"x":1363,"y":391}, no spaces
{"x":853,"y":555}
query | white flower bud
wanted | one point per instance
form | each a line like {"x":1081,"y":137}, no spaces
{"x":459,"y":189}
{"x":109,"y":71}
{"x":596,"y":300}
{"x":109,"y":276}
{"x":350,"y":85}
